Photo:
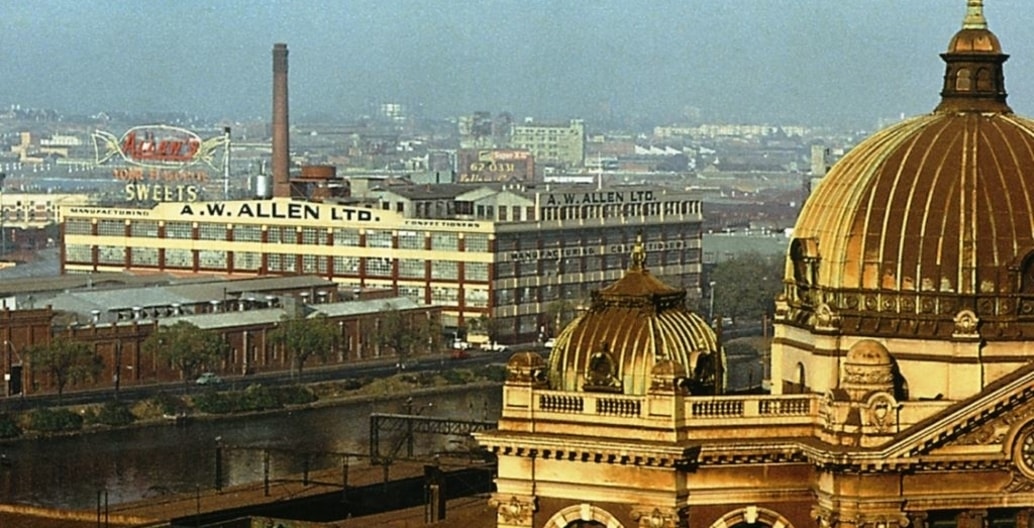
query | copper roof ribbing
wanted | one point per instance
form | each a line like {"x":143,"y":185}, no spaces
{"x":939,"y":202}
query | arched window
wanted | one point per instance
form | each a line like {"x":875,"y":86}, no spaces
{"x":802,"y":382}
{"x":963,"y":80}
{"x":984,"y":81}
{"x":800,"y":266}
{"x":582,"y":516}
{"x":752,"y":517}
{"x":804,"y":258}
{"x":1027,"y":274}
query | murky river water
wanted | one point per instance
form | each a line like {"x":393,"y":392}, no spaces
{"x":68,"y":472}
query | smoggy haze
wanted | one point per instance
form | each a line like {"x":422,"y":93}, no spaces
{"x":800,"y":61}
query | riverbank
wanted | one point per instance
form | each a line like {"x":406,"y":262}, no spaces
{"x":156,"y":461}
{"x":165,"y":410}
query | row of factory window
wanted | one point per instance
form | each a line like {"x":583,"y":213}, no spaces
{"x":502,"y":213}
{"x":378,"y":267}
{"x":441,"y":270}
{"x":442,"y":241}
{"x":37,"y":215}
{"x":592,"y":263}
{"x":615,"y":238}
{"x":574,"y":212}
{"x":277,"y":262}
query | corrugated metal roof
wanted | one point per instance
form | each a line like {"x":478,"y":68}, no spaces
{"x":215,"y":321}
{"x":353,"y":308}
{"x":16,"y":286}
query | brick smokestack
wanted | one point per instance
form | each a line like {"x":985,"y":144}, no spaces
{"x":281,"y":146}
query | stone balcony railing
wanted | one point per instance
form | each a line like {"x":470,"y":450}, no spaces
{"x":658,"y":416}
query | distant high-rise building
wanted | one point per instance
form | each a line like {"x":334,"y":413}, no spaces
{"x":550,"y":144}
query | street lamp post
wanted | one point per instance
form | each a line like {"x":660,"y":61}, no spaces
{"x":10,"y":380}
{"x":3,"y":234}
{"x":7,"y":368}
{"x":118,"y":366}
{"x":710,"y":309}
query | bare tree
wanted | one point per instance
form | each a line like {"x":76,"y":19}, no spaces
{"x":401,"y":333}
{"x":187,"y":347}
{"x":304,"y":337}
{"x":66,"y":361}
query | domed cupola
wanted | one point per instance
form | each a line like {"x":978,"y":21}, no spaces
{"x":631,"y":326}
{"x":973,"y":80}
{"x":927,"y":218}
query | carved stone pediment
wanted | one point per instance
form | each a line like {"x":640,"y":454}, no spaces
{"x":985,"y":430}
{"x":993,"y":429}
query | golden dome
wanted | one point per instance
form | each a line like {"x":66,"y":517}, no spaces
{"x":974,"y":41}
{"x":974,"y":37}
{"x":928,"y":216}
{"x":631,"y":326}
{"x":868,"y":353}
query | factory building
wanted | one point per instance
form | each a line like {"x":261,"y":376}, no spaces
{"x":519,"y":256}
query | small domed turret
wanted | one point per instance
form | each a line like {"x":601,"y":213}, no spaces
{"x":974,"y":37}
{"x":868,"y":368}
{"x":632,"y":325}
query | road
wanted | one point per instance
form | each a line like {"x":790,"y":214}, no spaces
{"x":373,"y":368}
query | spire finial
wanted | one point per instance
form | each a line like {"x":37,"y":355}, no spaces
{"x":974,"y":15}
{"x":638,"y":254}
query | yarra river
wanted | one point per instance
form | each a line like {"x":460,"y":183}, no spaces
{"x":130,"y":464}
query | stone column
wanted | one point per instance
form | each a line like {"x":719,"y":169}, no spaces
{"x":826,"y":518}
{"x":971,"y":519}
{"x":1023,"y":518}
{"x":920,"y":519}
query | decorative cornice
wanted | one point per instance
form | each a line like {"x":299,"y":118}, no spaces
{"x":919,"y":314}
{"x":594,"y":451}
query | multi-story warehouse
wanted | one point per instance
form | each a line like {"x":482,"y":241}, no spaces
{"x":560,"y":145}
{"x":518,"y":256}
{"x":34,"y":211}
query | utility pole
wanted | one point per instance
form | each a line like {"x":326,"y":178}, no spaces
{"x":3,"y":234}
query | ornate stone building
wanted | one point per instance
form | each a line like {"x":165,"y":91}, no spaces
{"x":903,"y":391}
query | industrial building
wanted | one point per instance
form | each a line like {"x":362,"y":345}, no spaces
{"x":520,"y":256}
{"x":501,"y":253}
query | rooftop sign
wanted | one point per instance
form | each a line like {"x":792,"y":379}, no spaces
{"x":160,"y":163}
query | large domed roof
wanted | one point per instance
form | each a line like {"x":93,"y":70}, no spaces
{"x":932,"y":215}
{"x":631,"y":326}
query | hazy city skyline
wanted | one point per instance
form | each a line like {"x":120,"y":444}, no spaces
{"x":806,"y":61}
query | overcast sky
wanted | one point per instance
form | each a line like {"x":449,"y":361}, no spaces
{"x":789,"y":61}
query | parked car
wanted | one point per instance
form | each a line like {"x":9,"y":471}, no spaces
{"x":550,"y":343}
{"x":460,"y":344}
{"x":495,"y":347}
{"x":459,"y":354}
{"x":209,"y":378}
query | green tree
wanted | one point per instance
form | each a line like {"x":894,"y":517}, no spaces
{"x":187,"y":347}
{"x":66,"y":361}
{"x":402,"y":333}
{"x":488,"y":326}
{"x":304,"y":337}
{"x":746,"y":285}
